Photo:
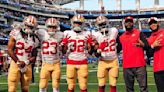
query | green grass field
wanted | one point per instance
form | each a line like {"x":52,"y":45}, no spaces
{"x":92,"y":82}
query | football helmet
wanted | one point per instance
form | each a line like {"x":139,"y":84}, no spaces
{"x":102,"y":24}
{"x":101,"y":19}
{"x":78,"y":18}
{"x":52,"y":22}
{"x":30,"y":23}
{"x":77,"y":22}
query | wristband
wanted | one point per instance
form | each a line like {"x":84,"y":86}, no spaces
{"x":152,"y":46}
{"x":27,"y":62}
{"x":99,"y":51}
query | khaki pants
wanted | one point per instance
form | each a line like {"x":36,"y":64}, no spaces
{"x":50,"y":71}
{"x":108,"y":68}
{"x":15,"y":76}
{"x":79,"y":71}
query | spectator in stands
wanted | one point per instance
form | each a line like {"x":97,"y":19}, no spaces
{"x":133,"y":43}
{"x":156,"y":41}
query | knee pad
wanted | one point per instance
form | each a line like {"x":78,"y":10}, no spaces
{"x":43,"y":83}
{"x":83,"y":86}
{"x":102,"y":81}
{"x":71,"y":86}
{"x":44,"y":76}
{"x":55,"y":80}
{"x":113,"y":81}
{"x":55,"y":83}
{"x":114,"y":72}
{"x":71,"y":82}
{"x":102,"y":73}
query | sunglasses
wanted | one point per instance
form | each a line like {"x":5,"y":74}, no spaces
{"x":128,"y":20}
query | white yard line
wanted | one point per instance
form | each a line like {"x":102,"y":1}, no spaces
{"x":77,"y":83}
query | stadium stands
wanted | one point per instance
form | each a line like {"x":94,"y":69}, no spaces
{"x":16,"y":10}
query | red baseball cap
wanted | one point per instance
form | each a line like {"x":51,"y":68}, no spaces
{"x":129,"y":18}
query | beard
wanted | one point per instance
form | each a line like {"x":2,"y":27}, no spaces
{"x":129,"y":28}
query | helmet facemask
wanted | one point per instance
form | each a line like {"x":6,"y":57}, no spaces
{"x":28,"y":29}
{"x":30,"y":24}
{"x":103,"y":27}
{"x":102,"y":24}
{"x":52,"y":30}
{"x":77,"y":27}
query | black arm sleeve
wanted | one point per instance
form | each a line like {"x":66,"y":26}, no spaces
{"x":34,"y":52}
{"x":119,"y":46}
{"x":147,"y":48}
{"x":144,"y":40}
{"x":91,"y":51}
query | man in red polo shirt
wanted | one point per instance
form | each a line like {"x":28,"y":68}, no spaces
{"x":156,"y":41}
{"x":133,"y":43}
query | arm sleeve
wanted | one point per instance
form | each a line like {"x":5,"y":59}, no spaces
{"x":144,"y":40}
{"x":119,"y":46}
{"x":147,"y":47}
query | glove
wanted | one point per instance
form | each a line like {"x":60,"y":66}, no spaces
{"x":102,"y":46}
{"x":23,"y":70}
{"x":65,"y":40}
{"x":90,"y":40}
{"x":27,"y":62}
{"x":71,"y":46}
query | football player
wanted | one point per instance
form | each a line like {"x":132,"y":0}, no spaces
{"x":77,"y":42}
{"x":50,"y":40}
{"x":108,"y":64}
{"x":22,"y":49}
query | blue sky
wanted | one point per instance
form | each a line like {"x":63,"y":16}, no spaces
{"x":111,"y":4}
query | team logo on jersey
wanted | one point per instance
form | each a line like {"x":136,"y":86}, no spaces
{"x":133,"y":35}
{"x":161,"y":35}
